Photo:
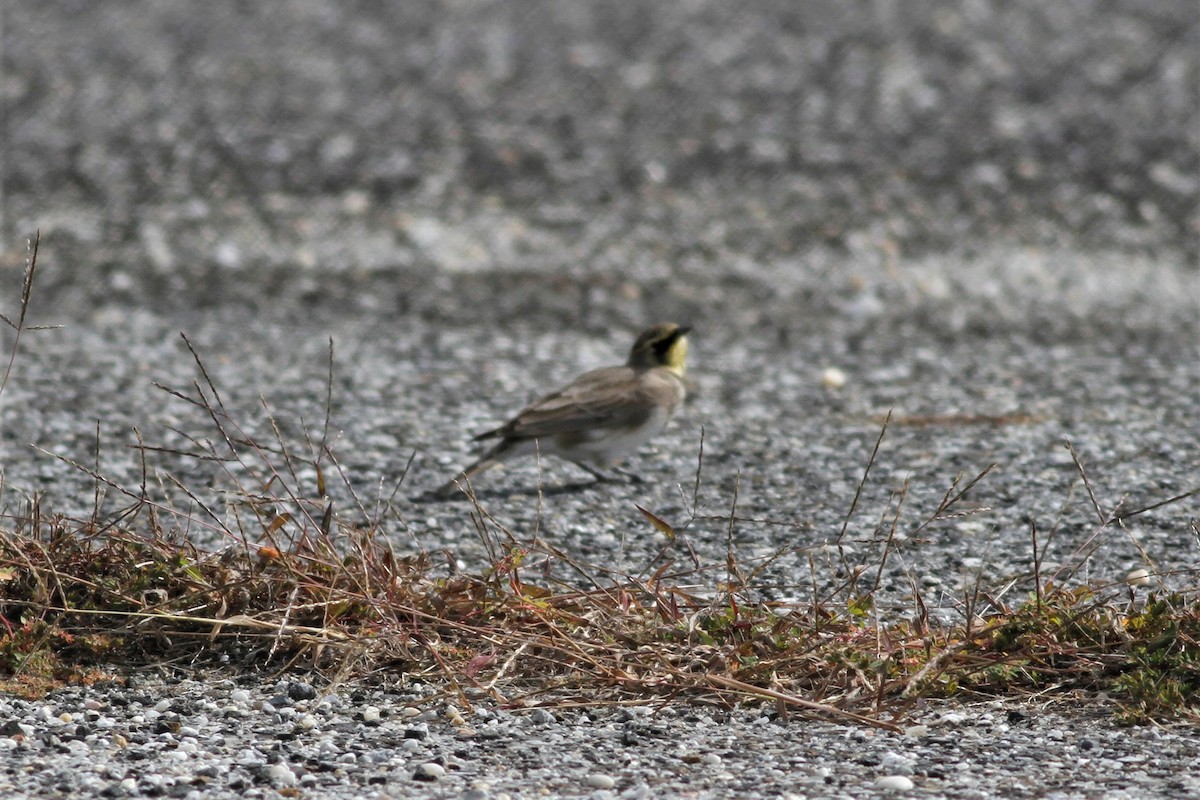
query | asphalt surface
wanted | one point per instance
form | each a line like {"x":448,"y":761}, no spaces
{"x":983,"y":217}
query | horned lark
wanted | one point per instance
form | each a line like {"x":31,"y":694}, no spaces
{"x":600,"y":416}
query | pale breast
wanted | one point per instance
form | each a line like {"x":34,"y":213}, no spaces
{"x":604,"y":446}
{"x":658,"y":394}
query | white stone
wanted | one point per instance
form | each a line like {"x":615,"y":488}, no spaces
{"x":895,"y":783}
{"x":1138,"y":577}
{"x":833,"y":378}
{"x":281,"y":775}
{"x":598,"y":781}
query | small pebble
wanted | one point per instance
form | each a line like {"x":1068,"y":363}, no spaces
{"x":370,"y":714}
{"x":1138,"y":577}
{"x":896,"y":764}
{"x":429,"y":771}
{"x":833,"y":378}
{"x":895,"y":783}
{"x":281,"y":775}
{"x":599,"y":781}
{"x":249,"y":758}
{"x":542,"y":717}
{"x":298,"y":690}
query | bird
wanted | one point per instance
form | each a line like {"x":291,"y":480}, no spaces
{"x":599,"y":417}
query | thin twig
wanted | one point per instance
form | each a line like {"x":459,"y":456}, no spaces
{"x":1103,"y":516}
{"x":23,"y":308}
{"x":1124,"y":515}
{"x":859,"y":490}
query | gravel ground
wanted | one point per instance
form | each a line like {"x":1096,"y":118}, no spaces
{"x":187,"y":738}
{"x":983,"y":216}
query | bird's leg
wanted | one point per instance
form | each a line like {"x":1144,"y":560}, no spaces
{"x":595,"y":473}
{"x":632,"y":477}
{"x":604,"y":477}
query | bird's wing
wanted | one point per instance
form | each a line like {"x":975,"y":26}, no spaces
{"x":612,"y":397}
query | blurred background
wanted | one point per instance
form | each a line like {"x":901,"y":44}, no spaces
{"x":325,"y":153}
{"x":980,"y":216}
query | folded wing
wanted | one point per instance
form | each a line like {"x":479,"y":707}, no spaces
{"x":603,"y":399}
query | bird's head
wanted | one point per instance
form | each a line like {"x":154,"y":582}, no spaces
{"x":664,"y":345}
